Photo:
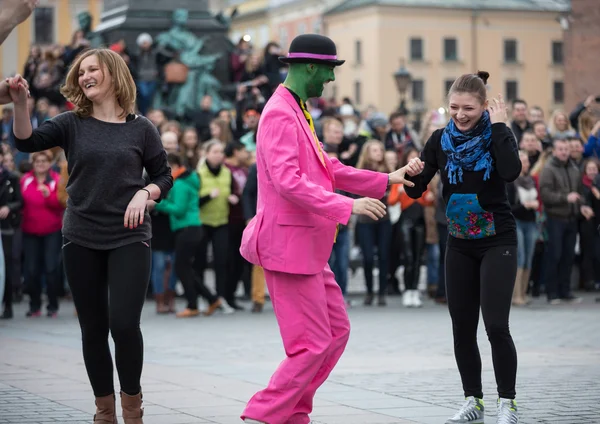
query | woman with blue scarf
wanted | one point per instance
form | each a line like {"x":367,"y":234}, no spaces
{"x":477,"y":155}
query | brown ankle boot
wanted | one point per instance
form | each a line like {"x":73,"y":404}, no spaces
{"x":132,"y":408}
{"x":105,"y":410}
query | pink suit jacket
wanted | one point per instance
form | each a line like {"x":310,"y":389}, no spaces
{"x":298,"y":211}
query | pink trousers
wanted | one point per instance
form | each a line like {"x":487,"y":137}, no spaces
{"x":314,"y":326}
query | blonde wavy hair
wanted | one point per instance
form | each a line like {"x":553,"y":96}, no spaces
{"x":364,"y":160}
{"x":123,"y":84}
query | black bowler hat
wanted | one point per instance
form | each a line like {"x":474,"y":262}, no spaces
{"x":312,"y":48}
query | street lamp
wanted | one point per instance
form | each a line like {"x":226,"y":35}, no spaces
{"x":403,"y":80}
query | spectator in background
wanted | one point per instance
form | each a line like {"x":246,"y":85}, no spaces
{"x":42,"y":223}
{"x":201,"y":118}
{"x":560,"y":127}
{"x":146,"y":63}
{"x":400,"y":137}
{"x":531,"y":145}
{"x":11,"y":205}
{"x":519,"y":123}
{"x":236,"y":160}
{"x":561,"y":191}
{"x":541,"y":132}
{"x":216,"y":195}
{"x":374,"y":235}
{"x":182,"y":208}
{"x":220,"y":130}
{"x":6,"y":127}
{"x":239,"y":57}
{"x":250,"y":199}
{"x":536,"y":114}
{"x":523,"y":198}
{"x":189,"y":147}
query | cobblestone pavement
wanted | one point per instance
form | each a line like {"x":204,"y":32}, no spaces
{"x":398,"y":367}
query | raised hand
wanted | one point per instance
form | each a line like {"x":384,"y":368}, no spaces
{"x":497,"y":110}
{"x":372,"y":208}
{"x":18,"y":89}
{"x":18,"y":10}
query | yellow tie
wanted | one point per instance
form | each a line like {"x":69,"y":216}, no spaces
{"x":312,"y":128}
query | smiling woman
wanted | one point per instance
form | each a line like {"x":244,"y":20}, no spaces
{"x":98,"y":75}
{"x":106,"y":229}
{"x":476,"y":155}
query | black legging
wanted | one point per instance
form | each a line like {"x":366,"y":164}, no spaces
{"x":486,"y":277}
{"x":7,"y":246}
{"x":412,"y":232}
{"x":219,"y":237}
{"x":187,"y":242}
{"x":238,"y":268}
{"x":109,"y":288}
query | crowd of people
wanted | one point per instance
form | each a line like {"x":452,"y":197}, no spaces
{"x":555,"y":200}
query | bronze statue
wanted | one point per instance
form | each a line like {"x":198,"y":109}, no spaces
{"x":85,"y":25}
{"x":187,"y":73}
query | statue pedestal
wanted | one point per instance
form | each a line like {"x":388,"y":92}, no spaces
{"x":126,"y":19}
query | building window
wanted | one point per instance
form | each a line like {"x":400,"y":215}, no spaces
{"x":317,"y":26}
{"x":43,"y":24}
{"x":559,"y":92}
{"x":416,"y":49}
{"x":450,"y":49}
{"x":418,"y":91}
{"x":301,"y":28}
{"x":358,"y":52}
{"x":510,"y":51}
{"x":447,"y":85}
{"x":357,"y":93}
{"x":283,"y":36}
{"x":557,"y":52}
{"x":512,"y":90}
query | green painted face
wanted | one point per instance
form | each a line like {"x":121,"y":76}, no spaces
{"x":316,"y":77}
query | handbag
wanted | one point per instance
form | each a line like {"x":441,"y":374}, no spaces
{"x":176,"y":73}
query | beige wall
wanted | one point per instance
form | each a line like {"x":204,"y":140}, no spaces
{"x":385,"y":34}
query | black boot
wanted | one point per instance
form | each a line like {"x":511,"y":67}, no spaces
{"x":8,"y":313}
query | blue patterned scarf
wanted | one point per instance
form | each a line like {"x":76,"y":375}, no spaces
{"x":468,"y":151}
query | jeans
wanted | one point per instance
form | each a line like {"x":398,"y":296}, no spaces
{"x":146,"y":90}
{"x":159,"y":263}
{"x":372,"y":236}
{"x":527,"y":234}
{"x":42,"y":258}
{"x":562,"y":237}
{"x":433,"y":264}
{"x":340,"y":258}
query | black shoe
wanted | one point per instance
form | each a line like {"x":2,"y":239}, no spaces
{"x":7,"y":314}
{"x":368,"y":299}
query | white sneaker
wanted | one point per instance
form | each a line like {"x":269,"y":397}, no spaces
{"x":416,"y":300}
{"x":225,"y":308}
{"x":407,"y":298}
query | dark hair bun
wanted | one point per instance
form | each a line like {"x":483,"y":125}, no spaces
{"x":483,"y":75}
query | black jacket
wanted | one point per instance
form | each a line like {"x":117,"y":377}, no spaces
{"x":10,"y":195}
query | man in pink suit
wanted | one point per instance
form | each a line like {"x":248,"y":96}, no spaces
{"x":294,"y":229}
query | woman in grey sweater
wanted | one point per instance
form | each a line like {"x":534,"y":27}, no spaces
{"x":106,"y":228}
